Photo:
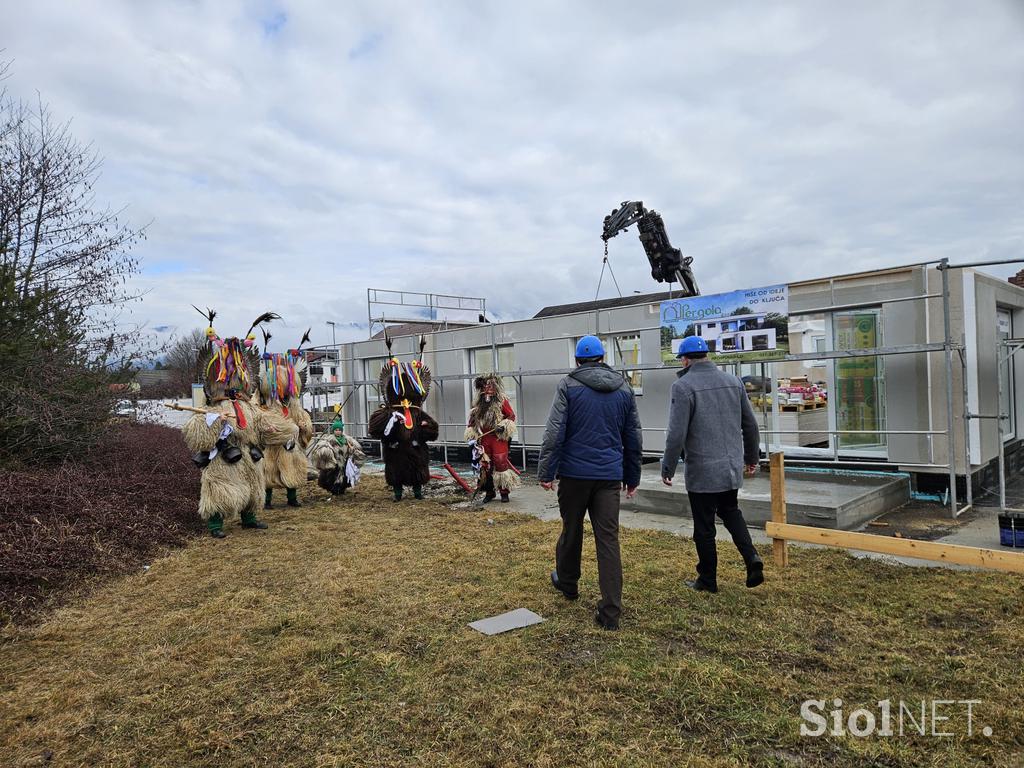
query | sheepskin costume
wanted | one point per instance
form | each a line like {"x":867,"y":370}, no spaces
{"x":492,"y":427}
{"x":330,"y":453}
{"x":403,"y":427}
{"x":228,"y":440}
{"x":281,"y":378}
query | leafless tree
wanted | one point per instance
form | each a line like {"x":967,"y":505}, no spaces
{"x":65,"y":264}
{"x":184,"y":358}
{"x":57,"y":237}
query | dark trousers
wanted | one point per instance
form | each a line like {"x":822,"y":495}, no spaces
{"x":704,"y":507}
{"x":601,"y":499}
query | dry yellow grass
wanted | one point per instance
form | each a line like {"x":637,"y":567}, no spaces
{"x":339,"y":637}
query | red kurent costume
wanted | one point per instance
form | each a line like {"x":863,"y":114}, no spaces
{"x":492,"y":425}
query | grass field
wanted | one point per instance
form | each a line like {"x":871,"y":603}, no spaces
{"x":339,"y":637}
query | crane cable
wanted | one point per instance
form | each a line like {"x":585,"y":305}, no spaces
{"x":606,"y":263}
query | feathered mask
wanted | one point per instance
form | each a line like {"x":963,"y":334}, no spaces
{"x":404,"y":381}
{"x":281,"y":375}
{"x":228,"y":363}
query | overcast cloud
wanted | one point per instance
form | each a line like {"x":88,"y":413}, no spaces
{"x":291,"y":154}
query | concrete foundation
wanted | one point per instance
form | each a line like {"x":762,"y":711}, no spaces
{"x":826,"y":499}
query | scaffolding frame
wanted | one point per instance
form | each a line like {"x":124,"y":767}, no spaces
{"x":418,"y":301}
{"x":947,"y":346}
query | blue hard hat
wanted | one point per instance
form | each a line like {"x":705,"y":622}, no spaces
{"x":589,"y":346}
{"x":692,"y":344}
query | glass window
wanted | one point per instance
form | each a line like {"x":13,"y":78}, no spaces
{"x":627,"y":353}
{"x":481,"y":360}
{"x":371,"y":373}
{"x":622,"y":352}
{"x":860,"y":381}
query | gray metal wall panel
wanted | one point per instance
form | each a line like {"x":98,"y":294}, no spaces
{"x":906,"y":382}
{"x":468,"y":338}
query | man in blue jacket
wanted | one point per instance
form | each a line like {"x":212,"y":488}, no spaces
{"x":592,"y":444}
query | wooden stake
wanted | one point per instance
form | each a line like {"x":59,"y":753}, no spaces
{"x":777,"y":469}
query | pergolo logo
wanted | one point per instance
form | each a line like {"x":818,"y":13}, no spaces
{"x":941,"y":718}
{"x":673,"y":313}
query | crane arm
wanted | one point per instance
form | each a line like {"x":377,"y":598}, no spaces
{"x":667,"y":263}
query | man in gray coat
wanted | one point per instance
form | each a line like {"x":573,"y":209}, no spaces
{"x":712,"y":427}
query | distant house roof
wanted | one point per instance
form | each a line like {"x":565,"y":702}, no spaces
{"x":623,"y":301}
{"x":415,"y":329}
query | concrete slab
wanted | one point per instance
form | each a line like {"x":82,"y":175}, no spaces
{"x":517,"y":619}
{"x":826,"y":499}
{"x":533,"y":500}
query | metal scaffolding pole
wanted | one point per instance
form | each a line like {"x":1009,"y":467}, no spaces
{"x":520,"y":400}
{"x":967,"y":435}
{"x":947,"y":345}
{"x":999,"y":433}
{"x":444,"y":418}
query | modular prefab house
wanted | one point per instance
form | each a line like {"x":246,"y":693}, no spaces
{"x":887,"y":405}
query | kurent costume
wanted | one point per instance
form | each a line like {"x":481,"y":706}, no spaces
{"x":403,"y":427}
{"x":492,"y":426}
{"x":229,"y":440}
{"x":280,"y":391}
{"x":338,"y":458}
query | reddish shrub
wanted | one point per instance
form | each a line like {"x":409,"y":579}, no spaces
{"x":103,"y":513}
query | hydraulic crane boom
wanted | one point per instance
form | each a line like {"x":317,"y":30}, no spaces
{"x":667,"y":263}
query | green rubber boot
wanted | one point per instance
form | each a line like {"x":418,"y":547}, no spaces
{"x":417,"y":491}
{"x":398,"y":493}
{"x":249,"y":521}
{"x":269,"y":501}
{"x":293,"y":498}
{"x":215,"y":525}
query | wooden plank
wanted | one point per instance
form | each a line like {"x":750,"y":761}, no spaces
{"x":886,"y":545}
{"x":777,"y":469}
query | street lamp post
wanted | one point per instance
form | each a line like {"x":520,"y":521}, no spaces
{"x":334,"y":339}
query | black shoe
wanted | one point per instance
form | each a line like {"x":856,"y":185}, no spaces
{"x":569,"y":595}
{"x":267,"y":505}
{"x":755,"y":574}
{"x":700,"y":586}
{"x":417,"y":493}
{"x":489,"y":497}
{"x":603,"y":623}
{"x":258,"y":524}
{"x":504,"y":497}
{"x":218,"y":533}
{"x":294,"y":503}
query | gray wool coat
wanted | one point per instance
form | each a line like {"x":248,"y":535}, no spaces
{"x":712,"y":428}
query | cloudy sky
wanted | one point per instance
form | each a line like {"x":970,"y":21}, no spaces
{"x":287,"y":155}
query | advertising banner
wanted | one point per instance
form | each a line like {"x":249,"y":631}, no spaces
{"x":739,"y":326}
